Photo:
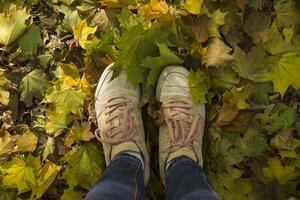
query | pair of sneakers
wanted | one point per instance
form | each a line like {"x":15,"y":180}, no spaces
{"x":120,"y":122}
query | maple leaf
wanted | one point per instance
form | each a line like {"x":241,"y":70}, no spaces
{"x":71,"y":18}
{"x":79,"y":132}
{"x":6,"y":144}
{"x":12,"y":24}
{"x":65,"y":98}
{"x":223,"y":78}
{"x":17,"y":174}
{"x":32,"y":85}
{"x":157,"y":64}
{"x":281,"y":42}
{"x":57,"y":121}
{"x":283,"y":174}
{"x":287,"y":13}
{"x":217,"y":19}
{"x":68,"y":73}
{"x":198,"y":86}
{"x":71,"y":194}
{"x":82,"y":32}
{"x":28,"y":46}
{"x":44,"y":178}
{"x":135,"y":45}
{"x":285,"y":73}
{"x":218,"y":53}
{"x":84,"y":165}
{"x":26,"y":142}
{"x":49,"y":147}
{"x":192,"y":6}
{"x":155,"y":9}
{"x":250,"y":65}
{"x":257,"y":26}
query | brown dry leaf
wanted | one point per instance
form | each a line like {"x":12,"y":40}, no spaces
{"x":197,"y":27}
{"x":226,"y":114}
{"x":282,"y":140}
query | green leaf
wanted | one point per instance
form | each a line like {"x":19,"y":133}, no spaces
{"x":251,"y":65}
{"x":12,"y":24}
{"x":30,"y":41}
{"x":253,"y":143}
{"x":217,"y":19}
{"x":262,"y":91}
{"x":71,"y":19}
{"x":218,"y":54}
{"x":85,"y":165}
{"x":287,"y":13}
{"x":32,"y":85}
{"x":17,"y":174}
{"x":198,"y":86}
{"x":70,"y":194}
{"x":57,"y":122}
{"x":281,"y":42}
{"x":276,"y":171}
{"x":135,"y":45}
{"x":65,"y":98}
{"x":157,"y":64}
{"x":285,"y":73}
{"x":223,"y":78}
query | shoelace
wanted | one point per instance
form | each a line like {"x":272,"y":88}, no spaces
{"x":182,"y":126}
{"x":117,"y":108}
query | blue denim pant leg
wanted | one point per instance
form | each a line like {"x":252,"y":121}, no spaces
{"x":185,"y":180}
{"x":123,"y":179}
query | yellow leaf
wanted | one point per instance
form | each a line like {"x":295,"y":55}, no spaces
{"x":49,"y":147}
{"x":79,"y":132}
{"x":57,"y":122}
{"x":26,"y":142}
{"x":85,"y":86}
{"x":155,"y":9}
{"x":193,"y":6}
{"x":6,"y":144}
{"x":18,"y":175}
{"x":82,"y":32}
{"x":44,"y":179}
{"x":12,"y":24}
{"x":68,"y":73}
{"x":282,"y":174}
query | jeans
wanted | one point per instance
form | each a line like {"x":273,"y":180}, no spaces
{"x":124,"y":179}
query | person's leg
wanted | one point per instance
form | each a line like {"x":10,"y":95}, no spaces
{"x":185,"y":180}
{"x":122,"y":179}
{"x":120,"y":130}
{"x":180,"y":138}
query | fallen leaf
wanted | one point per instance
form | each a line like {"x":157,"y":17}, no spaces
{"x":13,"y":24}
{"x":285,"y":73}
{"x":157,"y":64}
{"x":32,"y":85}
{"x":198,"y":86}
{"x":57,"y":122}
{"x":287,"y":13}
{"x":281,"y":173}
{"x":44,"y":179}
{"x":29,"y":46}
{"x":218,"y":54}
{"x":79,"y":132}
{"x":18,"y":175}
{"x":282,"y":140}
{"x":83,"y":32}
{"x":226,"y":114}
{"x":26,"y":142}
{"x":84,"y":167}
{"x":192,"y":6}
{"x":65,"y":98}
{"x":49,"y":148}
{"x":217,"y":19}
